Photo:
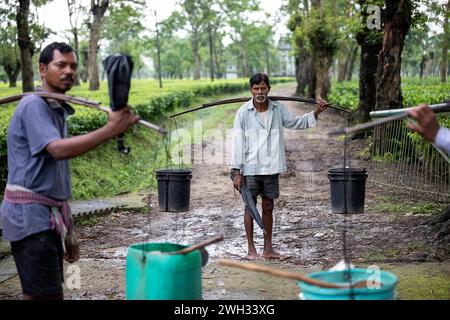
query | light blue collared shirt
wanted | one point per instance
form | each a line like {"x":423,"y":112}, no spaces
{"x":443,"y":139}
{"x":259,"y":149}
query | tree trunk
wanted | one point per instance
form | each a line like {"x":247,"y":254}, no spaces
{"x":12,"y":72}
{"x":73,"y":10}
{"x":304,"y":69}
{"x":98,"y":11}
{"x":397,"y":21}
{"x":84,"y":73}
{"x":367,"y":79}
{"x":370,"y":41}
{"x":76,"y":47}
{"x":342,"y":64}
{"x":322,"y":63}
{"x":427,"y":69}
{"x":267,"y":66}
{"x":158,"y":53}
{"x":351,"y":63}
{"x":305,"y":75}
{"x":211,"y":52}
{"x":239,"y":66}
{"x":94,"y":83}
{"x":422,"y":65}
{"x":323,"y":50}
{"x":218,"y":69}
{"x":197,"y":59}
{"x":444,"y":57}
{"x":26,"y":48}
{"x":245,"y":68}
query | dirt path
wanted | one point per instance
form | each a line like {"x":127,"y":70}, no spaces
{"x":304,"y":228}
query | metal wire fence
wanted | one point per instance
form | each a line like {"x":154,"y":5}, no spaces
{"x":404,"y":163}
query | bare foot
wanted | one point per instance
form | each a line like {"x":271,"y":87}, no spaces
{"x":273,"y":255}
{"x":252,"y":256}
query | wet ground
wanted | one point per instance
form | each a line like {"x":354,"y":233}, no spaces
{"x":304,"y":228}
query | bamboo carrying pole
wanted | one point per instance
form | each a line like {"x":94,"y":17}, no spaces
{"x":197,"y":246}
{"x":78,"y":101}
{"x":245,"y":99}
{"x":398,"y":114}
{"x":291,"y":275}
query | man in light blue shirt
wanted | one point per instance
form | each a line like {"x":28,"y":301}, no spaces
{"x":428,"y":127}
{"x":258,"y":153}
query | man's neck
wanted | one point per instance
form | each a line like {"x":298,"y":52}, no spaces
{"x":46,"y":87}
{"x":261,"y":107}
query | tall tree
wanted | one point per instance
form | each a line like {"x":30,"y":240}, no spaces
{"x":350,"y":63}
{"x":234,"y":13}
{"x":75,"y":8}
{"x":10,"y":55}
{"x":211,"y":24}
{"x":25,"y":45}
{"x":218,"y":51}
{"x":156,"y":46}
{"x":397,"y":18}
{"x":158,"y":51}
{"x":122,"y":29}
{"x":323,"y":36}
{"x":418,"y":50}
{"x":195,"y":16}
{"x":176,"y":58}
{"x":347,"y":45}
{"x":98,"y":10}
{"x":31,"y":37}
{"x":370,"y":41}
{"x":304,"y":70}
{"x":444,"y":56}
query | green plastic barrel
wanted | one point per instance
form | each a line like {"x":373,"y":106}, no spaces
{"x":153,"y":275}
{"x":385,"y":292}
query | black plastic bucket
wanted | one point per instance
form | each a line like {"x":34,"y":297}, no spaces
{"x":174,"y":189}
{"x":348,"y":189}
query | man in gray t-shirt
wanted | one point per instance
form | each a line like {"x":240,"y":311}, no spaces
{"x":35,"y":124}
{"x":38,"y":163}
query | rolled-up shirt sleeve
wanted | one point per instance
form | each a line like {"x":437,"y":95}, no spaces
{"x":238,"y":143}
{"x":39,"y":127}
{"x":305,"y":121}
{"x":442,"y":140}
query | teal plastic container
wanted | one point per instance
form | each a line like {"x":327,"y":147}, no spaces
{"x":385,"y":292}
{"x":158,"y":276}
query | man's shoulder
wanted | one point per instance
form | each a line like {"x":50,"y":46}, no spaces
{"x":244,"y":108}
{"x":32,"y":98}
{"x":30,"y":101}
{"x":278,"y":104}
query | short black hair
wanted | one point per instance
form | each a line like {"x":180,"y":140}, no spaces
{"x":46,"y":55}
{"x":258,"y":78}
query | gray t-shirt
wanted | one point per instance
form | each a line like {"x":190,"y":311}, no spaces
{"x":33,"y":126}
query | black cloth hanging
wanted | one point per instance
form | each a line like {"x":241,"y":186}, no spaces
{"x":249,"y":203}
{"x":119,"y":68}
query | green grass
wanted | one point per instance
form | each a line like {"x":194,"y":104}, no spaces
{"x":394,"y":252}
{"x":390,"y":204}
{"x":423,"y":281}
